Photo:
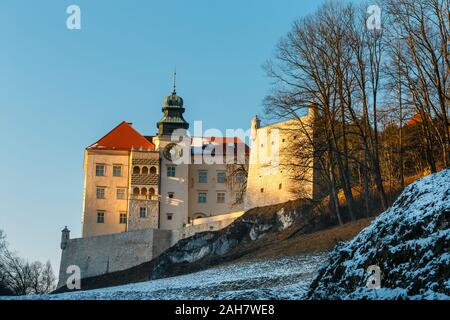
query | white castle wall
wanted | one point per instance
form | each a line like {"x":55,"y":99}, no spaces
{"x":114,"y":252}
{"x":269,"y":179}
{"x":212,"y":223}
{"x":111,"y":206}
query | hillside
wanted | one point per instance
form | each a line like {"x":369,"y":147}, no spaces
{"x":281,"y":278}
{"x":256,"y":230}
{"x":297,"y":228}
{"x":409,"y":243}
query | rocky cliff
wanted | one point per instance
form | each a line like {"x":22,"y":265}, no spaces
{"x":409,"y":243}
{"x":257,"y":228}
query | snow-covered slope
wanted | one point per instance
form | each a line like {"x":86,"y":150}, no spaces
{"x":410,"y":243}
{"x":285,"y":278}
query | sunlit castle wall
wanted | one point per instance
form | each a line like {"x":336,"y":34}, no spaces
{"x":100,"y":192}
{"x":271,"y":176}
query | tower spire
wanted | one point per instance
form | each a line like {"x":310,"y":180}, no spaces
{"x":172,"y":112}
{"x":174,"y":81}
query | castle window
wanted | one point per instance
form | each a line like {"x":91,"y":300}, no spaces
{"x":144,"y":191}
{"x":117,"y":170}
{"x":202,"y":197}
{"x":121,"y":194}
{"x":100,"y":216}
{"x":221,"y":177}
{"x":100,"y":193}
{"x":171,"y":171}
{"x":153,"y":170}
{"x":100,"y":170}
{"x":280,"y":186}
{"x":143,"y":212}
{"x":203,"y":176}
{"x":262,"y":190}
{"x":169,"y":216}
{"x":136,"y":191}
{"x":144,"y":170}
{"x":123,"y":218}
{"x":151,"y":192}
{"x":221,"y":197}
{"x":170,"y":195}
{"x":136,"y":170}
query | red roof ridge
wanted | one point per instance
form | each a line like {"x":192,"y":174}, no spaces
{"x":122,"y":137}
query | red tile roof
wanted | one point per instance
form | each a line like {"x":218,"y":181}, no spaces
{"x":122,"y":137}
{"x":418,"y":118}
{"x":414,"y":120}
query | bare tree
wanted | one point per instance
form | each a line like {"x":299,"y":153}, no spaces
{"x":237,"y":174}
{"x":311,"y":68}
{"x":21,"y":276}
{"x":330,"y":59}
{"x":423,"y":27}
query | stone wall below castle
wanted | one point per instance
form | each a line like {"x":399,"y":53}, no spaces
{"x":109,"y":253}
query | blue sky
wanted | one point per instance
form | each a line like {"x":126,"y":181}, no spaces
{"x":61,"y":90}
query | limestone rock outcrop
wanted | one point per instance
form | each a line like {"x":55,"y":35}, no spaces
{"x":409,"y":243}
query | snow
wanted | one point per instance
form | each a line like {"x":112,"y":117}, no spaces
{"x":285,"y":219}
{"x":282,"y":278}
{"x":259,"y":230}
{"x":409,"y":242}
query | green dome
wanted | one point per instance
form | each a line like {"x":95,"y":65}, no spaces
{"x":172,"y":115}
{"x":173,"y":100}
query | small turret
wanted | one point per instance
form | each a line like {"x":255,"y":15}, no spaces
{"x":65,"y":236}
{"x":256,"y":124}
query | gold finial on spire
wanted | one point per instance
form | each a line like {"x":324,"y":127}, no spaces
{"x":174,"y":81}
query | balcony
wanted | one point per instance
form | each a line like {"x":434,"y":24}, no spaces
{"x":144,"y":197}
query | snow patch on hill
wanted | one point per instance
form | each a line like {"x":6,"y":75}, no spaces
{"x":409,"y":242}
{"x":284,"y":278}
{"x":286,"y":220}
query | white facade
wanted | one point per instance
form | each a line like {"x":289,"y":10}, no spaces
{"x":270,"y":179}
{"x":156,"y":192}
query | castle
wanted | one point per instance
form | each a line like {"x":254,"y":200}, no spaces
{"x":144,"y":193}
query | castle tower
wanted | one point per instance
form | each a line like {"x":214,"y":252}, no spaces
{"x":173,"y":114}
{"x":174,"y":176}
{"x":270,"y":175}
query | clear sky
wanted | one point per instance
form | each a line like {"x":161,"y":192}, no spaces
{"x":61,"y":90}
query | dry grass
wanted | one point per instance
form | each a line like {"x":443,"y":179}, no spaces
{"x":313,"y":242}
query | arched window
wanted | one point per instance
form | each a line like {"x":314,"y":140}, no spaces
{"x":153,"y":170}
{"x":144,"y":191}
{"x":136,"y":170}
{"x":145,"y":170}
{"x":151,"y":192}
{"x":136,"y":191}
